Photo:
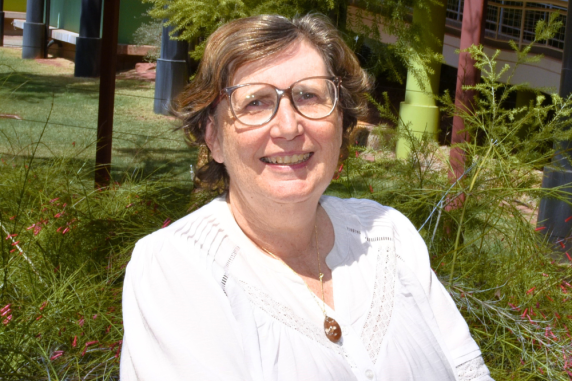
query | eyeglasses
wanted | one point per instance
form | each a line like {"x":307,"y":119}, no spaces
{"x":255,"y":104}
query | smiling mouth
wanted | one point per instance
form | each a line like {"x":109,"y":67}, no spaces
{"x":287,"y":160}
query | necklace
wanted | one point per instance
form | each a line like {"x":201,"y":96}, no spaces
{"x":331,"y":327}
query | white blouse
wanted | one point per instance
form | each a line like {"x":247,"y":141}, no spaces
{"x":201,"y":302}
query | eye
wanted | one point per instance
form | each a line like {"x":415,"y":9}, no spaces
{"x":258,"y":104}
{"x":255,"y":103}
{"x":306,"y":97}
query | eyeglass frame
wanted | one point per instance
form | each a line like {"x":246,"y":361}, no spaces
{"x":227,"y":91}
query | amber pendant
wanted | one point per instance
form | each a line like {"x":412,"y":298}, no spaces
{"x":332,"y":329}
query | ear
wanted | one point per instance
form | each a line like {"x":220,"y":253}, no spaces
{"x":213,"y":141}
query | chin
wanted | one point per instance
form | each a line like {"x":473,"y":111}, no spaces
{"x":294,"y":193}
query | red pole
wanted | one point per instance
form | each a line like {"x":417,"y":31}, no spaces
{"x":472,"y":32}
{"x":106,"y":93}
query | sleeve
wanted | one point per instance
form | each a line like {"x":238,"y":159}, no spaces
{"x":463,"y":350}
{"x":178,"y":324}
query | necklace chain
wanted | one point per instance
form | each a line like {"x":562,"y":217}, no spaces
{"x":321,"y":275}
{"x":331,"y":327}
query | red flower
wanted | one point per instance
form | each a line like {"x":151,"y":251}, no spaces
{"x":56,"y":355}
{"x":7,"y":320}
{"x":89,"y":343}
{"x":120,"y":342}
{"x":74,"y":342}
{"x":166,"y":223}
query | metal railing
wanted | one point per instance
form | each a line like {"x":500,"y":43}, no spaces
{"x":513,"y":20}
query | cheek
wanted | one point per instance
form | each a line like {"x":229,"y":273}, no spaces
{"x":240,"y":149}
{"x":337,"y":137}
{"x":333,"y":143}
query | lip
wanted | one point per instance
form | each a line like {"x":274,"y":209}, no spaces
{"x":291,"y":153}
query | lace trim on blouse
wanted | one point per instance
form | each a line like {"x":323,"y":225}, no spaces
{"x":381,"y":307}
{"x":472,"y":369}
{"x":286,"y":316}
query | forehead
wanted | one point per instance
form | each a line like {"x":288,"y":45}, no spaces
{"x":299,"y":60}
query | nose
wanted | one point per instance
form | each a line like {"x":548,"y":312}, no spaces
{"x":286,"y":123}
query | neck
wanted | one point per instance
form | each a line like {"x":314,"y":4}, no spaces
{"x":285,"y":229}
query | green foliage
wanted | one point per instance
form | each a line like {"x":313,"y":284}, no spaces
{"x":149,"y":33}
{"x":195,"y":20}
{"x":64,"y":249}
{"x":511,"y":284}
{"x":410,"y":50}
{"x":64,"y":245}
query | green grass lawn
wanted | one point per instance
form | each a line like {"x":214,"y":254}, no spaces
{"x":143,"y":141}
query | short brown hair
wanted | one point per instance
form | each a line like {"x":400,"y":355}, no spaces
{"x":250,"y":39}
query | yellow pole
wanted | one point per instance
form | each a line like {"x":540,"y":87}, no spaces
{"x":419,"y":111}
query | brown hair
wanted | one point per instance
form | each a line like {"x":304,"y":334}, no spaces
{"x":252,"y":39}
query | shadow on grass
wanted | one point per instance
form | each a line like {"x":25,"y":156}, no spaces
{"x":34,"y":87}
{"x":146,"y":166}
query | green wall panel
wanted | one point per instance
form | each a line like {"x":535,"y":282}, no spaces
{"x":64,"y":14}
{"x":15,"y":5}
{"x":131,"y":16}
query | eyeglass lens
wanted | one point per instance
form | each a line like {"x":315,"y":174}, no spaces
{"x":256,"y":104}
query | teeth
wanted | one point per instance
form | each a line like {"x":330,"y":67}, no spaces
{"x":294,"y":159}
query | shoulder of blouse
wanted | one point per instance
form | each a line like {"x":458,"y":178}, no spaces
{"x":368,"y":214}
{"x":199,"y":229}
{"x":373,"y":220}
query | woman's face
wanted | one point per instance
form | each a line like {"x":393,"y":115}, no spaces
{"x":289,"y":159}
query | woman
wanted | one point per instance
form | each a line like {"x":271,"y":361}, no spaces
{"x":274,"y":281}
